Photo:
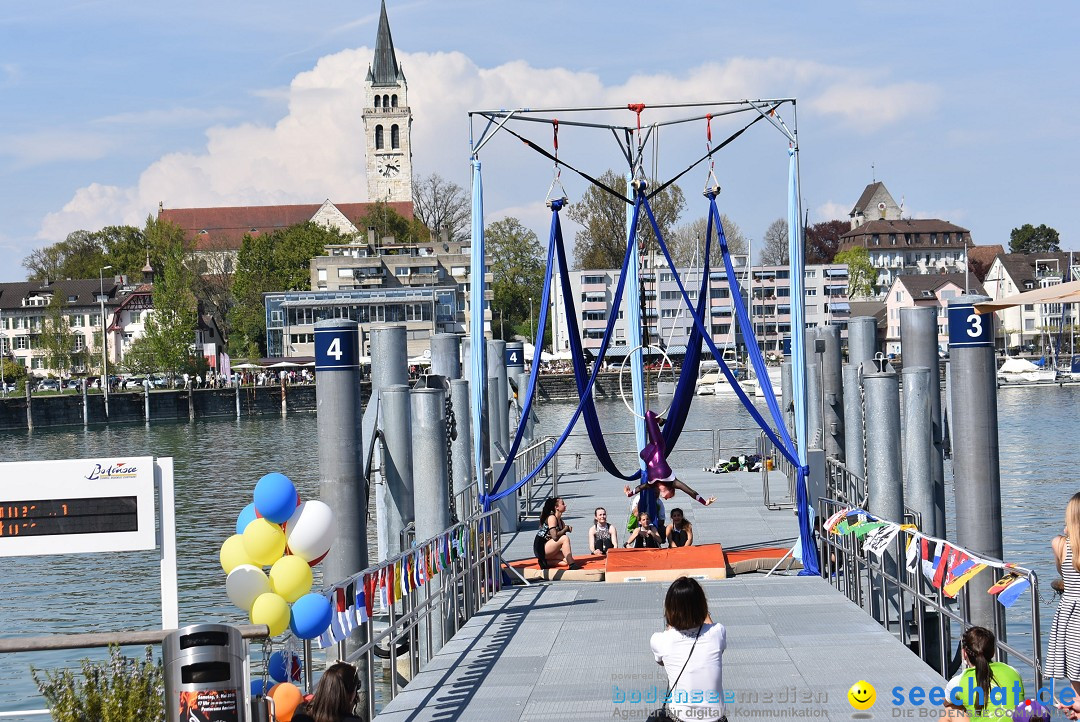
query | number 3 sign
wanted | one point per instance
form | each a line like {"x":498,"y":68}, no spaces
{"x":968,"y":328}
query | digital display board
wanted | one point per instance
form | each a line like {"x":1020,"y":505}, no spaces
{"x":47,"y":517}
{"x":77,"y":506}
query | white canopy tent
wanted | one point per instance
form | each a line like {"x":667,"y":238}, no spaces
{"x":544,"y":355}
{"x":1061,"y":293}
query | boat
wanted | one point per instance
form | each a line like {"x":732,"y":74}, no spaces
{"x":1022,"y":371}
{"x":713,"y":383}
{"x":774,"y":381}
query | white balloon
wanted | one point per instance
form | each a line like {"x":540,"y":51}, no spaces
{"x":244,"y":584}
{"x":310,"y":531}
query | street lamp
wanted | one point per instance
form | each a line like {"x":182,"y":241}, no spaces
{"x":104,"y":338}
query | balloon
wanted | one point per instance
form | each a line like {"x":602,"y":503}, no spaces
{"x":311,"y":615}
{"x":264,"y":542}
{"x":276,"y":667}
{"x":310,"y":531}
{"x":246,"y":517}
{"x":275,"y":497}
{"x":244,"y":584}
{"x":287,"y":697}
{"x":290,"y":577}
{"x":273,"y":611}
{"x":233,"y":553}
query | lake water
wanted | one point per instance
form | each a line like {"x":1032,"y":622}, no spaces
{"x":218,"y":462}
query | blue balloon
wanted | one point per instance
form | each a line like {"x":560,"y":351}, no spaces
{"x":258,"y":689}
{"x":310,"y":616}
{"x":275,"y":497}
{"x":246,"y":517}
{"x":277,"y":671}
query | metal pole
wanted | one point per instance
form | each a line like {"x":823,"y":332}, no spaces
{"x":461,"y":447}
{"x":883,"y":457}
{"x":389,"y":367}
{"x":833,"y":390}
{"x":974,"y":422}
{"x":396,"y":495}
{"x":499,"y":443}
{"x":634,"y":325}
{"x":919,"y":347}
{"x":862,"y":339}
{"x":341,"y":476}
{"x":446,"y":355}
{"x":814,"y":431}
{"x":432,"y":503}
{"x":919,"y":489}
{"x":104,"y":339}
{"x":786,"y":393}
{"x":854,"y":432}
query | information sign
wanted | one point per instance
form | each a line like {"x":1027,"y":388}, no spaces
{"x":337,"y":347}
{"x":514,"y":357}
{"x":968,"y":328}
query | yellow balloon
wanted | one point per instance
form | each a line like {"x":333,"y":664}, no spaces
{"x":291,"y":578}
{"x":233,"y":553}
{"x":264,"y":542}
{"x":271,"y":610}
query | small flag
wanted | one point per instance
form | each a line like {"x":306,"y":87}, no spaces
{"x":1002,"y":584}
{"x":879,"y":539}
{"x":865,"y":528}
{"x":941,"y":564}
{"x":962,"y":570}
{"x":833,"y":520}
{"x":913,"y":553}
{"x":1008,"y":596}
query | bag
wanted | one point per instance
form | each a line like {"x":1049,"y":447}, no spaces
{"x":631,"y":523}
{"x":662,"y":714}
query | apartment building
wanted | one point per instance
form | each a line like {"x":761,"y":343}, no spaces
{"x":924,"y":290}
{"x":1013,"y":273}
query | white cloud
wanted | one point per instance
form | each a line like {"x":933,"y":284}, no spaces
{"x":831,"y":211}
{"x":53,"y":146}
{"x":316,"y":150}
{"x":164,"y":117}
{"x":867,"y":106}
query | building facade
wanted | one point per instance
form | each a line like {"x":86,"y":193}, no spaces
{"x":1013,"y":273}
{"x":666,"y":317}
{"x":923,"y":290}
{"x":387,"y":123}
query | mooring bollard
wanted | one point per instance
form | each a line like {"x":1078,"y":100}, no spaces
{"x":919,"y":346}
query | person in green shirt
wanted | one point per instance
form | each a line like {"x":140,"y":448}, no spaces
{"x":985,"y":690}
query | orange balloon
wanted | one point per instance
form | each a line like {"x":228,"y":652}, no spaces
{"x":287,"y":697}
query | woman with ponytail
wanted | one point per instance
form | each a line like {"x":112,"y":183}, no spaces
{"x":1063,"y":650}
{"x":985,"y":689}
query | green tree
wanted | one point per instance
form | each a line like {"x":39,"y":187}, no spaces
{"x":170,"y":330}
{"x":80,"y":255}
{"x":389,"y":223}
{"x":281,"y":261}
{"x":125,"y":249}
{"x":517,"y":275}
{"x":861,"y":273}
{"x":601,"y":242}
{"x":1030,"y":239}
{"x":57,"y":340}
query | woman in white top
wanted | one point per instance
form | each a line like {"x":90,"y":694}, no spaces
{"x":691,"y":650}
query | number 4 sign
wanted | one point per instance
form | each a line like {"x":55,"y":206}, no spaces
{"x":970,"y":329}
{"x":337,"y":346}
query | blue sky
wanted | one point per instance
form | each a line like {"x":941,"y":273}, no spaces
{"x":964,"y":109}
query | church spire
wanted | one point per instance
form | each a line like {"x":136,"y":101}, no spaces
{"x":384,"y":70}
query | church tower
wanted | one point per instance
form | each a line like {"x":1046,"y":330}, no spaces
{"x":387,"y":123}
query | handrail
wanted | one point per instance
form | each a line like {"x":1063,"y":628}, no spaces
{"x":767,"y":451}
{"x":527,"y":460}
{"x":844,"y":485}
{"x":877,"y":585}
{"x":448,"y":599}
{"x":92,"y":640}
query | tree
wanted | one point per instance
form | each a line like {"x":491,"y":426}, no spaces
{"x":442,"y":206}
{"x":170,"y":330}
{"x":823,"y":241}
{"x":80,"y":255}
{"x":861,"y":273}
{"x":1029,"y":239}
{"x":774,"y":248}
{"x":688,"y":241}
{"x":389,"y":223}
{"x":517,"y":275}
{"x":57,"y":341}
{"x":601,"y":242}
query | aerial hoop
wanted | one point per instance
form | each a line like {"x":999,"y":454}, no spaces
{"x":622,"y":369}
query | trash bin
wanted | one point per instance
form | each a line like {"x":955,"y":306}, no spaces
{"x":205,"y":677}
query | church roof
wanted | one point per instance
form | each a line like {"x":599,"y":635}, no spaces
{"x":864,"y":199}
{"x":223,"y":229}
{"x":384,"y":68}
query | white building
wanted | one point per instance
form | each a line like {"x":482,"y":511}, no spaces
{"x":1013,"y":273}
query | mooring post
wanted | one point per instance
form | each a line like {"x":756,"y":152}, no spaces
{"x":833,"y":383}
{"x":919,"y":492}
{"x":461,"y":449}
{"x":814,"y":399}
{"x":432,"y":498}
{"x":341,"y":475}
{"x":236,"y":397}
{"x":862,"y":339}
{"x":786,"y":394}
{"x":919,"y":347}
{"x":974,"y":421}
{"x":389,"y":367}
{"x":499,"y":419}
{"x":146,"y":400}
{"x":446,"y":355}
{"x":85,"y":414}
{"x":396,"y":497}
{"x":30,"y":402}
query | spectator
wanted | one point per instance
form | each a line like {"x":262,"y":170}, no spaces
{"x":970,"y":690}
{"x":552,"y":542}
{"x":602,"y":535}
{"x":691,"y":650}
{"x":1063,"y":649}
{"x":645,"y":535}
{"x":335,"y":697}
{"x":681,"y":532}
{"x":632,"y":520}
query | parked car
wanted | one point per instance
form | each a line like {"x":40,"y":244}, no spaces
{"x":47,"y":385}
{"x":134,"y":382}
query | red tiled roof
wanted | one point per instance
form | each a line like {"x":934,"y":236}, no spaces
{"x":226,"y":226}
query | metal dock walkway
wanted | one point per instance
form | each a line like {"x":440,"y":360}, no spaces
{"x":573,"y":650}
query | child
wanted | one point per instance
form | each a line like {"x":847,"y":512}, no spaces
{"x":602,"y":535}
{"x":984,"y":689}
{"x":681,"y":532}
{"x":657,"y":470}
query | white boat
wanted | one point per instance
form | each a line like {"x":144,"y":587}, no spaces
{"x":713,"y":383}
{"x":1022,"y":371}
{"x":774,"y":381}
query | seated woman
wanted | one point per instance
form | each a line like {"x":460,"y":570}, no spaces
{"x":645,"y":535}
{"x":984,"y":689}
{"x":680,"y":533}
{"x":602,"y":535}
{"x":657,"y":470}
{"x":334,"y":698}
{"x":552,"y":542}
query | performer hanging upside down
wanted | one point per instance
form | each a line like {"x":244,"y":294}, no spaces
{"x":657,"y":470}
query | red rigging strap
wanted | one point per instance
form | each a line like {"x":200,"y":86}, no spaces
{"x":555,"y":132}
{"x":708,"y":128}
{"x":637,"y":108}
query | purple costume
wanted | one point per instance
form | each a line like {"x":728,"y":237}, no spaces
{"x":655,"y":452}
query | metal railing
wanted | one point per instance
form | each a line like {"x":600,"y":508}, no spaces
{"x":528,"y":459}
{"x":445,"y":602}
{"x":98,"y":640}
{"x":928,"y":621}
{"x":767,"y":451}
{"x":843,"y":485}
